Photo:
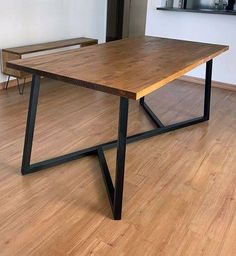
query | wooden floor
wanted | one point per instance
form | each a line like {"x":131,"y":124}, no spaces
{"x":180,"y":188}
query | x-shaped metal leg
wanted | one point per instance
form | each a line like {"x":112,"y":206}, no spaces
{"x":115,"y":192}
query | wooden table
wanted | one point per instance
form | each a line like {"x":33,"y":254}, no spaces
{"x":130,"y":69}
{"x":15,"y":53}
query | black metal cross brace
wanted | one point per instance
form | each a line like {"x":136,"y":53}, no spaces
{"x":114,"y":191}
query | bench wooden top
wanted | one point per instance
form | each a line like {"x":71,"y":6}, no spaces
{"x":51,"y":45}
{"x":131,"y":68}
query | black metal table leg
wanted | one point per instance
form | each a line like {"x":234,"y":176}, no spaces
{"x":142,"y":100}
{"x":207,"y":100}
{"x":34,"y":94}
{"x":115,"y":193}
{"x":120,"y":160}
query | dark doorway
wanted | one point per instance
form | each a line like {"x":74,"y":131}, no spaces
{"x":115,"y":15}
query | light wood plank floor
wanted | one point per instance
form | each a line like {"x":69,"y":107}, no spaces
{"x":180,"y":188}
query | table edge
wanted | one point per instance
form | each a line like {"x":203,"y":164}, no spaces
{"x":115,"y":91}
{"x":180,"y":73}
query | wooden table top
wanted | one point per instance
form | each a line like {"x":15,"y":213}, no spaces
{"x":51,"y":45}
{"x":131,"y":68}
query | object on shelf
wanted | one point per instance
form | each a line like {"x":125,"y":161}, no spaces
{"x":209,"y":4}
{"x":181,"y":4}
{"x":208,"y":11}
{"x":176,"y":4}
{"x":221,"y":4}
{"x":169,"y":3}
{"x":231,"y":5}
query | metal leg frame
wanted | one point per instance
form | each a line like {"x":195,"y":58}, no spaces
{"x":7,"y":83}
{"x":115,"y":192}
{"x":20,"y":88}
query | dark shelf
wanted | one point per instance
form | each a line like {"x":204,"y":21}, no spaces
{"x":210,"y":11}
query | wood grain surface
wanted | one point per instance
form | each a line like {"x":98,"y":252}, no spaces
{"x":130,"y":67}
{"x":180,"y":193}
{"x":8,"y":56}
{"x":15,"y":53}
{"x":51,"y":45}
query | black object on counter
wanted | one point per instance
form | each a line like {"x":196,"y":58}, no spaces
{"x":230,"y":6}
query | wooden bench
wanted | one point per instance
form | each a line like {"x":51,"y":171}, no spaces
{"x":18,"y":53}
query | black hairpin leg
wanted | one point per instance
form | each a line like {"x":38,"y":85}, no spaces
{"x":21,"y":88}
{"x":7,"y":83}
{"x":115,"y":193}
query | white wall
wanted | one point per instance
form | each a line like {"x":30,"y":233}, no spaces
{"x":210,"y":28}
{"x":24,"y":22}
